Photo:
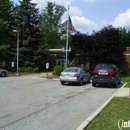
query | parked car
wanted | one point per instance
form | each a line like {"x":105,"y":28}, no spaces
{"x":74,"y":75}
{"x":107,"y":74}
{"x":3,"y":72}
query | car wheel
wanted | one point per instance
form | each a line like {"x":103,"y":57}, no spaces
{"x":62,"y":82}
{"x":3,"y":74}
{"x":119,"y":82}
{"x":81,"y":82}
{"x":115,"y":84}
{"x":93,"y":84}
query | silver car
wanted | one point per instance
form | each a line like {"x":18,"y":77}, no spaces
{"x":74,"y":75}
{"x":3,"y":72}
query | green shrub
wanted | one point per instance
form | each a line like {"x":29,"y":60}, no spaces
{"x":23,"y":69}
{"x":28,"y":69}
{"x":20,"y":69}
{"x":36,"y":69}
{"x":58,"y":69}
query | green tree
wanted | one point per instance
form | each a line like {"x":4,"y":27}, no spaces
{"x":125,"y":38}
{"x":51,"y":27}
{"x":27,"y":20}
{"x":5,"y":26}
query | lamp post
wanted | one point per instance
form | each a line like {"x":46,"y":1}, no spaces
{"x":16,"y":31}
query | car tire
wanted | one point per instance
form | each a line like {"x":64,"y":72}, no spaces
{"x":62,"y":82}
{"x":93,"y":84}
{"x":3,"y":74}
{"x":81,"y":82}
{"x":115,"y":84}
{"x":119,"y":82}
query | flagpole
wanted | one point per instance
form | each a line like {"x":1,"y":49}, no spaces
{"x":67,"y":39}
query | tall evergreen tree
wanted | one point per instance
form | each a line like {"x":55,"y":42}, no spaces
{"x":26,"y":21}
{"x":5,"y":18}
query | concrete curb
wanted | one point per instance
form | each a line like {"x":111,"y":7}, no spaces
{"x":91,"y":117}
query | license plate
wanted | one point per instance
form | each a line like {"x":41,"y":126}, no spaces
{"x":67,"y":75}
{"x":103,"y":72}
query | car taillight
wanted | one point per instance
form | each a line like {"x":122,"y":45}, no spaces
{"x":95,"y":72}
{"x":111,"y":73}
{"x":75,"y":75}
{"x":60,"y":74}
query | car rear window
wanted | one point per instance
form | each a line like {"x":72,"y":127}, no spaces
{"x":71,"y":70}
{"x":107,"y":67}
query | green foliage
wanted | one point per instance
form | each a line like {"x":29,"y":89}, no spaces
{"x":72,"y":64}
{"x":5,"y":26}
{"x":22,"y":69}
{"x":51,"y":27}
{"x":36,"y":69}
{"x":58,"y":69}
{"x":28,"y":69}
{"x":26,"y":21}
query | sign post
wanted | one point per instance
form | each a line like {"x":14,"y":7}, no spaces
{"x":47,"y":67}
{"x":12,"y":65}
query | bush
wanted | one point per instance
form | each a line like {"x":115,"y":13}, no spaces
{"x":22,"y":69}
{"x":36,"y":69}
{"x":28,"y":69}
{"x":58,"y":69}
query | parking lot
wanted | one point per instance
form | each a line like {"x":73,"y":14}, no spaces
{"x":28,"y":103}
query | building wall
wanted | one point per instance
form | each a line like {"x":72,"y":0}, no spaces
{"x":2,"y":65}
{"x":52,"y":61}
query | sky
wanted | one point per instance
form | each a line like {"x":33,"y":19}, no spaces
{"x":92,"y":15}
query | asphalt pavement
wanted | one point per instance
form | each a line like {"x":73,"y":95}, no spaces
{"x":59,"y":101}
{"x":122,"y":92}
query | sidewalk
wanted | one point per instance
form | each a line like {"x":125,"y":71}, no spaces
{"x":124,"y":92}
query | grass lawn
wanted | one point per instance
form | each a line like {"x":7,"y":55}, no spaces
{"x":126,"y":79}
{"x":118,"y":108}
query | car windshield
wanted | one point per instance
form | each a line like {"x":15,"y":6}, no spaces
{"x":110,"y":68}
{"x":71,"y":70}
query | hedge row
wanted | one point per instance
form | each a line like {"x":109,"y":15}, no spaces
{"x":29,"y":69}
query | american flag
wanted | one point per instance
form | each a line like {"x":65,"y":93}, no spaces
{"x":71,"y":27}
